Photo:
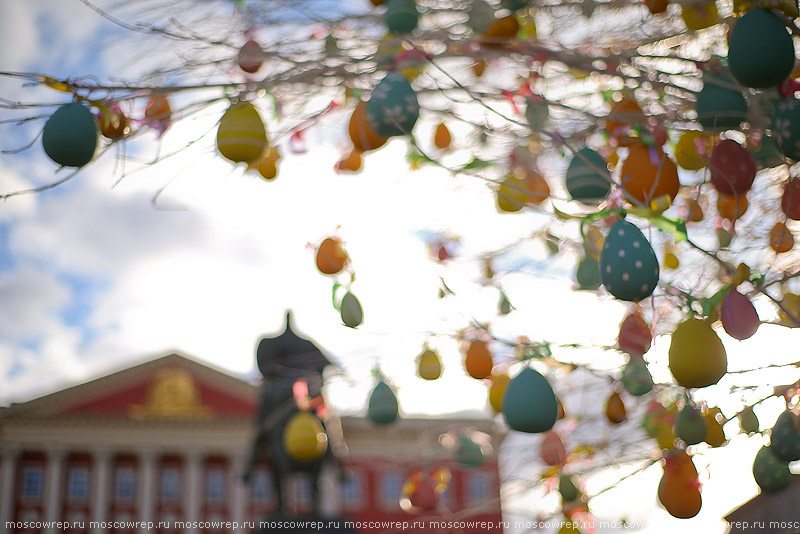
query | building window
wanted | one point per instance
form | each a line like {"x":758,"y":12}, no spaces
{"x":390,"y":486}
{"x":302,"y":491}
{"x":215,"y":485}
{"x":261,"y":487}
{"x":32,"y":482}
{"x":478,"y":484}
{"x":124,"y":484}
{"x":170,"y":484}
{"x":78,"y":484}
{"x":353,"y":490}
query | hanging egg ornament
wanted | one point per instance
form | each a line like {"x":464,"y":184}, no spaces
{"x":636,"y":377}
{"x":748,"y":421}
{"x":720,"y":104}
{"x":690,"y":425}
{"x":331,"y":258}
{"x":588,"y":273}
{"x":304,"y":438}
{"x":529,"y":404}
{"x":771,"y":473}
{"x":715,"y":433}
{"x":785,"y":437}
{"x":588,"y":179}
{"x":241,"y":136}
{"x":732,"y":168}
{"x":429,"y":366}
{"x":679,"y":489}
{"x":634,"y":337}
{"x":536,"y":187}
{"x":480,"y":16}
{"x":790,"y":200}
{"x":697,"y":357}
{"x":351,"y":311}
{"x":361,"y":134}
{"x":478,"y":360}
{"x":647,"y":174}
{"x":250,"y":57}
{"x":537,"y":113}
{"x":70,"y":136}
{"x":731,"y":207}
{"x":786,"y":127}
{"x":739,"y":317}
{"x":656,"y":6}
{"x":350,"y":163}
{"x":112,"y":122}
{"x":511,"y":195}
{"x":766,"y":153}
{"x":442,"y":137}
{"x":622,"y":116}
{"x":780,"y":238}
{"x":469,"y":453}
{"x":401,"y":16}
{"x":567,"y":488}
{"x":760,"y":50}
{"x":158,"y":113}
{"x":382,"y":408}
{"x":615,"y":409}
{"x":552,"y":449}
{"x":687,"y":155}
{"x":417,"y":495}
{"x":628,"y":264}
{"x":500,"y":32}
{"x":699,"y":15}
{"x":393,"y":108}
{"x":497,"y":390}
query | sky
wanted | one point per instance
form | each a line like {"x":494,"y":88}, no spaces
{"x":94,"y":278}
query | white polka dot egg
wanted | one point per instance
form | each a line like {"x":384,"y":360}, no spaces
{"x":628,"y":266}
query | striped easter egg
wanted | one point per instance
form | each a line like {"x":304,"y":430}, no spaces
{"x":241,"y":136}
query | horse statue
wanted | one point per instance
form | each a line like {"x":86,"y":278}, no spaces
{"x":286,"y":361}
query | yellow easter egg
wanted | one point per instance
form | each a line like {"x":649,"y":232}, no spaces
{"x":497,"y":390}
{"x":429,"y":366}
{"x":304,"y":438}
{"x":241,"y":136}
{"x":699,"y":15}
{"x":697,"y":357}
{"x":686,"y":153}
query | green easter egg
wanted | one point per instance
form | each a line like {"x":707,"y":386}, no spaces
{"x":786,"y":127}
{"x":382,"y":408}
{"x":352,"y":314}
{"x":748,"y":420}
{"x":628,"y":266}
{"x":529,"y":404}
{"x":785,"y":437}
{"x":690,"y":425}
{"x":393,"y":108}
{"x":588,"y":179}
{"x":720,"y":106}
{"x":588,"y":273}
{"x":71,"y":135}
{"x":401,"y":16}
{"x":636,"y":378}
{"x":760,"y":50}
{"x":567,"y":488}
{"x":771,"y":474}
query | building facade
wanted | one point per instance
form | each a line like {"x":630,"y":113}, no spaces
{"x":161,"y":447}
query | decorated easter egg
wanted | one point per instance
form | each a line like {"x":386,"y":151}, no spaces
{"x":331,"y":257}
{"x":790,"y":200}
{"x":588,"y":179}
{"x":786,"y":127}
{"x":690,"y":425}
{"x":628,"y":264}
{"x":70,"y":135}
{"x":771,"y":473}
{"x":401,"y":16}
{"x":739,"y":317}
{"x":529,"y":404}
{"x":250,"y":57}
{"x":687,"y":155}
{"x":720,"y":104}
{"x":697,"y":357}
{"x":478,"y":360}
{"x":567,"y":488}
{"x":393,"y":108}
{"x":785,"y":437}
{"x":634,"y":335}
{"x":732,"y":168}
{"x":636,"y":377}
{"x":780,"y":238}
{"x":469,"y":453}
{"x":615,"y":409}
{"x":552,"y":449}
{"x":304,"y":438}
{"x":679,"y":489}
{"x":647,"y":174}
{"x":351,"y":311}
{"x":382,"y":408}
{"x":699,"y":15}
{"x":361,"y":134}
{"x":241,"y":136}
{"x":429,"y":366}
{"x":497,"y":390}
{"x":760,"y":50}
{"x":748,"y":421}
{"x":588,"y":273}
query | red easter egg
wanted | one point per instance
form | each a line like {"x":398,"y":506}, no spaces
{"x":423,"y":498}
{"x":739,"y":317}
{"x":250,"y":57}
{"x":553,"y":450}
{"x":634,"y":335}
{"x":790,"y":201}
{"x":732,"y":168}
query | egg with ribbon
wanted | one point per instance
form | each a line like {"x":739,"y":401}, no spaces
{"x":628,"y":265}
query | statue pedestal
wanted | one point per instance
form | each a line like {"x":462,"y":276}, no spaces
{"x":310,"y":524}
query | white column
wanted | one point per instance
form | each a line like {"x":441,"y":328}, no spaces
{"x":237,"y":490}
{"x":9,"y":469}
{"x":193,"y":484}
{"x":147,"y":490}
{"x":53,"y":484}
{"x":330,"y":489}
{"x":101,"y":487}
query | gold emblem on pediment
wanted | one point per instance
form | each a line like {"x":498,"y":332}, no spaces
{"x":173,"y":394}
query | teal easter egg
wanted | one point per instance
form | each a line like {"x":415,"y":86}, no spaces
{"x":382,"y":408}
{"x":771,"y":474}
{"x":588,"y":179}
{"x":567,"y":488}
{"x":588,"y":273}
{"x":401,"y":16}
{"x":513,"y":5}
{"x":529,"y":404}
{"x":720,"y":105}
{"x":393,"y":108}
{"x":760,"y":50}
{"x":767,"y":154}
{"x":628,"y":266}
{"x":351,"y":311}
{"x":71,"y":135}
{"x":690,"y":425}
{"x":785,"y":437}
{"x":786,"y":127}
{"x":636,"y":377}
{"x":469,"y":453}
